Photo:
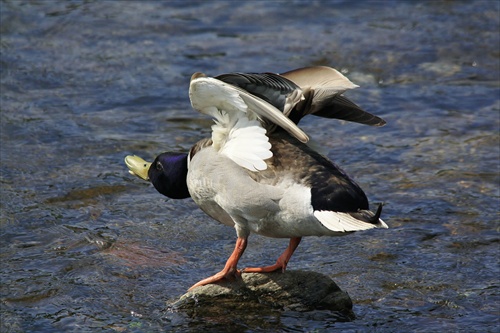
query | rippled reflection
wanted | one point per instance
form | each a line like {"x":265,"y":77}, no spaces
{"x":86,"y":247}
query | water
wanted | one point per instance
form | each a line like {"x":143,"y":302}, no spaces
{"x":86,"y":247}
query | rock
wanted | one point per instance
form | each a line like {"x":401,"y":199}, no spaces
{"x":257,"y":292}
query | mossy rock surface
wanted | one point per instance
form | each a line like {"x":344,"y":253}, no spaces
{"x":257,"y":293}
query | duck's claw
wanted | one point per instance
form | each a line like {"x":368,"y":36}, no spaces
{"x":222,"y":275}
{"x":282,"y":261}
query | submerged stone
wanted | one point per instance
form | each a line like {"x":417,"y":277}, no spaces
{"x":254,"y":293}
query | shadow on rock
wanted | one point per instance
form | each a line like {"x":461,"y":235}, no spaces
{"x":260,"y":299}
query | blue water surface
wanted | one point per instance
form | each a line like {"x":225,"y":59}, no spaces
{"x":86,"y":247}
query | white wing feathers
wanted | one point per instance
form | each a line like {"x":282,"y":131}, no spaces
{"x":237,"y":132}
{"x":343,"y":222}
{"x":246,"y":144}
{"x":211,"y":96}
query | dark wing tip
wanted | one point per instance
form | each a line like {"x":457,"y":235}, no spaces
{"x":376,"y":217}
{"x":340,"y":107}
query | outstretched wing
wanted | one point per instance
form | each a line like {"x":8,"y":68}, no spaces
{"x":238,"y":132}
{"x":310,"y":90}
{"x":246,"y":105}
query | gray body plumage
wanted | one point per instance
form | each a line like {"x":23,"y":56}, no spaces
{"x":276,"y":202}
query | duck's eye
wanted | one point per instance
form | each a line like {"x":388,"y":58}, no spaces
{"x":159,"y":167}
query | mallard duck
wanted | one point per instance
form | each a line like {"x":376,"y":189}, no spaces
{"x":256,"y":173}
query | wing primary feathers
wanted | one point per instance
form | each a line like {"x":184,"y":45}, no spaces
{"x":272,"y":88}
{"x":322,"y":89}
{"x":340,"y":107}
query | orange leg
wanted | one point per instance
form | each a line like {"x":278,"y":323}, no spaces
{"x":230,"y":270}
{"x":281,"y":262}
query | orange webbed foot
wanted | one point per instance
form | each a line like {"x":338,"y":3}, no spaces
{"x":266,"y":269}
{"x":230,"y":271}
{"x":282,"y":261}
{"x":222,"y":275}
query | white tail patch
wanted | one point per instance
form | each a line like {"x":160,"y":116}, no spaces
{"x":344,"y":222}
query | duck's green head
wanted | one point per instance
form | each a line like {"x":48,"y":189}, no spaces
{"x":167,"y":173}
